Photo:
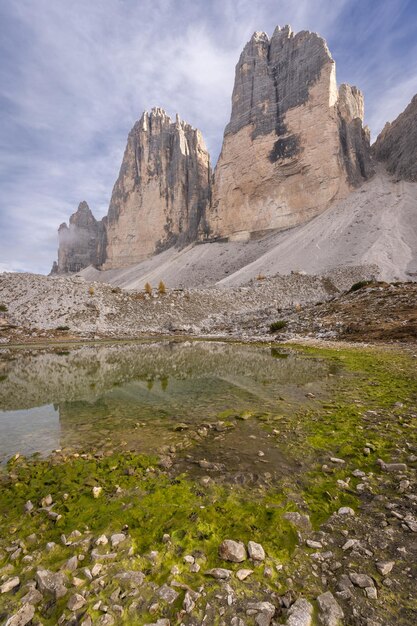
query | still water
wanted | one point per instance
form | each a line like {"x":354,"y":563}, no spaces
{"x":151,"y":395}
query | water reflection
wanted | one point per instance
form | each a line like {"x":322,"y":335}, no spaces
{"x":134,"y":394}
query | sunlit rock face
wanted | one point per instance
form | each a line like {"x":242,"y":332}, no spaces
{"x":396,"y":145}
{"x":294,"y":142}
{"x":162,"y":191}
{"x":81,"y":243}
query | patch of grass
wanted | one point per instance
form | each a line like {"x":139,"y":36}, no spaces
{"x":362,"y":410}
{"x":3,"y":308}
{"x":277,"y":326}
{"x":148,"y":289}
{"x":62,"y":328}
{"x":161,"y":288}
{"x":359,"y":285}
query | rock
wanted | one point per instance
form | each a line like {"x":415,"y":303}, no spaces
{"x":51,"y":583}
{"x":117,"y":539}
{"x":346,"y":510}
{"x":371,"y":593}
{"x":304,"y":135}
{"x":82,"y":243}
{"x":22,"y":617}
{"x":50,"y":546}
{"x":28,"y":506}
{"x":9,"y":584}
{"x":396,"y":145}
{"x":160,"y":622}
{"x":392,"y":467}
{"x":219,"y":573}
{"x":190,"y":600}
{"x":162,"y":191}
{"x":46,"y":501}
{"x":167,"y":594}
{"x":108,"y":556}
{"x":241,"y":574}
{"x":132,"y":578}
{"x":97,"y":491}
{"x":256,"y":551}
{"x":300,"y":613}
{"x":314,"y":544}
{"x":102,"y":541}
{"x":338,"y":461}
{"x":33,"y":596}
{"x":233,"y":551}
{"x":385,"y":567}
{"x":300,"y":521}
{"x":106,"y":620}
{"x":265,"y":612}
{"x":76,"y":602}
{"x":350,"y":543}
{"x":330,"y":613}
{"x":361,"y":580}
{"x":189,"y":559}
{"x":72,"y":564}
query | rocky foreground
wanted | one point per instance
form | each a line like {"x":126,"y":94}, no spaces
{"x":117,"y":538}
{"x":340,"y":305}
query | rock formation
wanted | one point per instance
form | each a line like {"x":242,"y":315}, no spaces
{"x":82,"y":243}
{"x":396,"y":145}
{"x":294,"y":142}
{"x":162,"y":191}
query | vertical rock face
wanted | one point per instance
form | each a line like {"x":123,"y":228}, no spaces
{"x":396,"y":145}
{"x":162,"y":191}
{"x":82,"y":243}
{"x":293,"y":143}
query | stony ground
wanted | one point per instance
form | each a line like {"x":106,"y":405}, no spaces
{"x":39,"y":308}
{"x":117,"y":538}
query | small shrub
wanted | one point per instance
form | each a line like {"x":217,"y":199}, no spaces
{"x":3,"y":308}
{"x":359,"y":285}
{"x":277,"y":326}
{"x":148,"y":289}
{"x":161,"y":288}
{"x":260,"y":277}
{"x":62,"y":327}
{"x":91,"y":291}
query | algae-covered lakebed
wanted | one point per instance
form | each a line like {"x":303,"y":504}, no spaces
{"x":174,"y":446}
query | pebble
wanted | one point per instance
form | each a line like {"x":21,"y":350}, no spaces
{"x":97,"y":491}
{"x":256,"y":551}
{"x":346,"y":510}
{"x":300,"y":613}
{"x":102,"y":541}
{"x":117,"y":539}
{"x":314,"y":544}
{"x":331,"y":614}
{"x":9,"y":584}
{"x":384,"y":567}
{"x":241,"y":574}
{"x":219,"y":573}
{"x":233,"y":551}
{"x":22,"y":617}
{"x":76,"y":602}
{"x":361,"y":580}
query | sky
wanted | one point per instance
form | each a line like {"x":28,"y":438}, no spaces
{"x":75,"y":76}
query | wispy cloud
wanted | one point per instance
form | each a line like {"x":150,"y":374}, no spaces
{"x":76,"y":75}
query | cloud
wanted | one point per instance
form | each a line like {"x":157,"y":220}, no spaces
{"x":76,"y":75}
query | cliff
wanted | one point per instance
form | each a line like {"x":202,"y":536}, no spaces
{"x":396,"y":145}
{"x":82,"y":243}
{"x":294,"y":143}
{"x":162,"y":190}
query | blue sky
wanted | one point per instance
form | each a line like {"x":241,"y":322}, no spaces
{"x":75,"y":76}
